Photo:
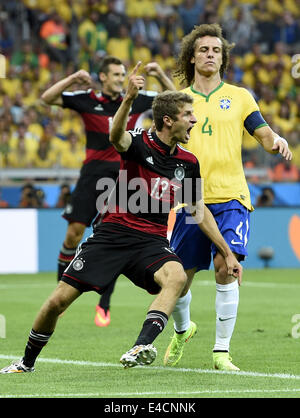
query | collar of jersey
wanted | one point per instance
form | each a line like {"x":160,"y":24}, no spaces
{"x":166,"y":149}
{"x":102,"y":97}
{"x":207,"y":96}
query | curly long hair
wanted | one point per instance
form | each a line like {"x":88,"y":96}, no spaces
{"x":185,"y":69}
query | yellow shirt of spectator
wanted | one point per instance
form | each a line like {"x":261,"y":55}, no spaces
{"x":72,"y":157}
{"x":36,"y":130}
{"x":166,"y":63}
{"x":121,"y":48}
{"x":269,"y":108}
{"x":216,"y":140}
{"x":141,"y":53}
{"x":47,"y":161}
{"x":20,"y":158}
{"x":11,"y":86}
{"x":140,"y":8}
{"x":30,"y":143}
{"x":69,"y":125}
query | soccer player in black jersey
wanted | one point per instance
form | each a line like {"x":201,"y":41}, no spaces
{"x":134,"y":242}
{"x":102,"y":160}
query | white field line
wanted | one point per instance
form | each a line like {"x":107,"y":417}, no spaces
{"x":27,"y":286}
{"x":131,"y":394}
{"x":124,"y":283}
{"x":160,"y":368}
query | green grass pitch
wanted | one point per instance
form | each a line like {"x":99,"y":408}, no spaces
{"x":82,"y":360}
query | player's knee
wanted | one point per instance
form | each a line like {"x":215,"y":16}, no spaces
{"x":60,"y":299}
{"x":178,"y":280}
{"x":221,"y":271}
{"x":172,"y":275}
{"x":55,"y":306}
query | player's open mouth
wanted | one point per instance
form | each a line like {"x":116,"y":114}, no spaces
{"x":188,"y":133}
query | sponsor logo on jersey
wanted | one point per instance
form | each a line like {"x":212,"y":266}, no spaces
{"x":98,"y":107}
{"x":150,"y":160}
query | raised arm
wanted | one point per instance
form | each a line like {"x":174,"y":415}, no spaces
{"x":206,"y":222}
{"x":272,"y":142}
{"x":154,"y":69}
{"x":118,"y":136}
{"x":52,"y":96}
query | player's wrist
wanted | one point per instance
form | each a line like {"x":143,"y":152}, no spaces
{"x":279,"y":138}
{"x":129,"y":98}
{"x":72,"y":78}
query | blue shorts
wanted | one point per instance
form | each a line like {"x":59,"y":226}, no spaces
{"x":195,"y":249}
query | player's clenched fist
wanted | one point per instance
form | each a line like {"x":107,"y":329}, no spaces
{"x":82,"y":77}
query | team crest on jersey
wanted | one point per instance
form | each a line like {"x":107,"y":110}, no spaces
{"x":225,"y":103}
{"x":78,"y":264}
{"x":68,"y":209}
{"x":179,"y":173}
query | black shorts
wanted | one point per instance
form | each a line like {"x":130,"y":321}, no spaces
{"x":113,"y":250}
{"x":82,"y":207}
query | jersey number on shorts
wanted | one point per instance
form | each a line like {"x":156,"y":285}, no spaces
{"x":239,"y":232}
{"x":206,"y":129}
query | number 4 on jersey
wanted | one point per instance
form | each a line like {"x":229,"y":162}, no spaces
{"x":206,"y":129}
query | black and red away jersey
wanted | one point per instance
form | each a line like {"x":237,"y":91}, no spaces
{"x":97,"y":112}
{"x":150,"y":182}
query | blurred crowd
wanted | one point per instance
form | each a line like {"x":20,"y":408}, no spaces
{"x":45,"y":40}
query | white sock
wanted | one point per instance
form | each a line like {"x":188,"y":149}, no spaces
{"x":227,"y":300}
{"x":181,"y":313}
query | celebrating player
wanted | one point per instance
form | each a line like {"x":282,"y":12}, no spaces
{"x":135,"y":242}
{"x":97,"y":111}
{"x":223,"y":111}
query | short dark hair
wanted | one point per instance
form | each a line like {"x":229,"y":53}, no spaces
{"x":106,"y":62}
{"x":168,"y":103}
{"x":185,"y":69}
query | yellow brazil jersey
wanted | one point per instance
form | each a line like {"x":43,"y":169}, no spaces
{"x":216,"y":140}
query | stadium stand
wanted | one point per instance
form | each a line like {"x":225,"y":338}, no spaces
{"x":44,"y":40}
